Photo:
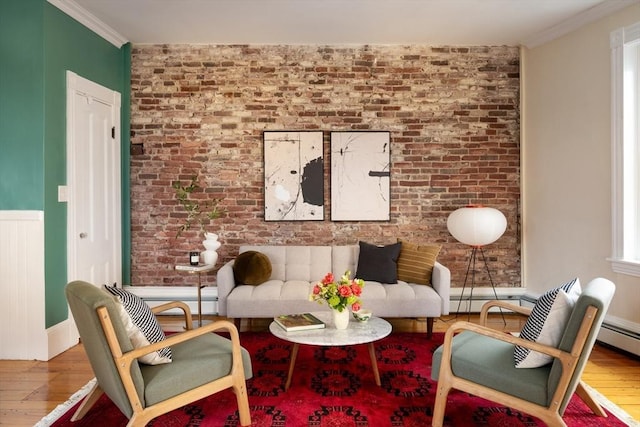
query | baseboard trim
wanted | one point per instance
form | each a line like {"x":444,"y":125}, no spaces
{"x":61,"y":337}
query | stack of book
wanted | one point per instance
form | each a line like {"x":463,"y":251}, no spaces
{"x":298,"y":322}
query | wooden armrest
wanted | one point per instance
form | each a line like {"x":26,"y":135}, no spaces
{"x":123,"y":361}
{"x":526,"y":311}
{"x":220,"y":325}
{"x":169,"y":305}
{"x":186,"y":311}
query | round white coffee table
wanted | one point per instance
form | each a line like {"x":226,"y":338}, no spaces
{"x":357,"y":333}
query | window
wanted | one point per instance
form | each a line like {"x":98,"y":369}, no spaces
{"x":625,"y":118}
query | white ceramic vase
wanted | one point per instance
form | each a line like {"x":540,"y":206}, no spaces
{"x":211,"y":244}
{"x":340,"y":318}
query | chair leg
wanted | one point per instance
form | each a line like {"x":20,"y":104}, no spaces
{"x":552,"y":419}
{"x":91,"y":398}
{"x":589,"y":400}
{"x":240,"y":390}
{"x":237,"y":321}
{"x":429,"y":327}
{"x":440,"y":404}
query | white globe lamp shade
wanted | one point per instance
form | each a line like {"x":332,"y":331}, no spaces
{"x":477,"y":225}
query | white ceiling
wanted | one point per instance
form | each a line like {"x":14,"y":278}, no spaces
{"x":339,"y":22}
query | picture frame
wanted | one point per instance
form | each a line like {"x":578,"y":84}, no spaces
{"x":360,"y":176}
{"x":293,"y":175}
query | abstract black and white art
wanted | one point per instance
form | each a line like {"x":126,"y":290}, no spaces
{"x":293,"y":176}
{"x":360,"y":176}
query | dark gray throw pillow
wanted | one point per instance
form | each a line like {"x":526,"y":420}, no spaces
{"x":378,"y":263}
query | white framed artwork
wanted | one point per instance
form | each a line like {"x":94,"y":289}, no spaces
{"x":293,"y":176}
{"x":360,"y":176}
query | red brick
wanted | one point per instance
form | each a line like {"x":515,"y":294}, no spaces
{"x":452,"y":113}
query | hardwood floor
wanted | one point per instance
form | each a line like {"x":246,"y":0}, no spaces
{"x":29,"y":390}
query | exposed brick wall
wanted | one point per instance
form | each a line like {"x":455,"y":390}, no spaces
{"x":453,"y":114}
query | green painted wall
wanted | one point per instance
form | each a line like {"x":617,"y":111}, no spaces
{"x":39,"y":44}
{"x":68,"y":45}
{"x":21,"y":107}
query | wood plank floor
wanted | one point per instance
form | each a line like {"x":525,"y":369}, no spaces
{"x":29,"y":390}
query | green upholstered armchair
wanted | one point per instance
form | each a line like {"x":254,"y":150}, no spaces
{"x":203,"y":362}
{"x":479,"y":360}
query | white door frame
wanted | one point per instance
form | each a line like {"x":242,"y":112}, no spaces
{"x":94,"y":92}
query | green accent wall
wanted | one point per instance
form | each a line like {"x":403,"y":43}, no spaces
{"x":39,"y":44}
{"x":21,"y":106}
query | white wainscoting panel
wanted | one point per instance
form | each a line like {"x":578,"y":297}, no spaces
{"x":22,"y":321}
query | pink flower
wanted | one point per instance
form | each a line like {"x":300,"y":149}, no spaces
{"x":316,"y":289}
{"x":344,"y":291}
{"x":356,"y":306}
{"x":357,"y":290}
{"x":327,"y":279}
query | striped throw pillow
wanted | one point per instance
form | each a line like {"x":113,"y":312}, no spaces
{"x":546,"y":323}
{"x":415,"y":263}
{"x":141,"y":324}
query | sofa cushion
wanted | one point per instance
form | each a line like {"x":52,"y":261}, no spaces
{"x":141,"y":325}
{"x":378,"y":263}
{"x":308,"y":263}
{"x":546,"y":323}
{"x":416,"y":262}
{"x":251,"y":268}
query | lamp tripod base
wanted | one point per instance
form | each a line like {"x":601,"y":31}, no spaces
{"x":471,"y":267}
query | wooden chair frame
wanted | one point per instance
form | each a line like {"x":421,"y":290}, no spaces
{"x":142,"y":415}
{"x":551,"y":415}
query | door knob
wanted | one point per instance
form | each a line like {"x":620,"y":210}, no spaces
{"x":83,"y":235}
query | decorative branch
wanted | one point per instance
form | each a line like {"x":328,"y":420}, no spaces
{"x":197,"y":212}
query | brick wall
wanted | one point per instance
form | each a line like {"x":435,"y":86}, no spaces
{"x":453,"y":114}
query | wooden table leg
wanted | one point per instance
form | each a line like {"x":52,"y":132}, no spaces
{"x":294,"y":355}
{"x":374,"y":363}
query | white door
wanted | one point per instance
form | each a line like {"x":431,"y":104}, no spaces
{"x":93,"y":182}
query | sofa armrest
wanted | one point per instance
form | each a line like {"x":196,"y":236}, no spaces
{"x":225,"y":282}
{"x":441,"y":282}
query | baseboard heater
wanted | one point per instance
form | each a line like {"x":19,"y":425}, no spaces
{"x":156,"y":295}
{"x":464,"y":302}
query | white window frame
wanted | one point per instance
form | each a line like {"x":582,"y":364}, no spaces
{"x":625,"y":137}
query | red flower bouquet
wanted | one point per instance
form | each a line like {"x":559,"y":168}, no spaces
{"x":339,"y":295}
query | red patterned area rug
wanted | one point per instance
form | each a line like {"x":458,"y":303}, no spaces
{"x":334,"y":386}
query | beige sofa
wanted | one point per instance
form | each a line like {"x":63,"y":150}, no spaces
{"x":295,"y":269}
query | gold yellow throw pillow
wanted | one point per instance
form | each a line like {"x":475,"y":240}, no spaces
{"x":415,"y":263}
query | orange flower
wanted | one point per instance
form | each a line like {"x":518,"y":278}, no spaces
{"x":344,"y":291}
{"x":328,"y":279}
{"x":356,"y":289}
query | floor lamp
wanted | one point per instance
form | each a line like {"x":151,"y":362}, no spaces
{"x":476,"y":226}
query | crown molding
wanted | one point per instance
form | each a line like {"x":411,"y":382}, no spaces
{"x":87,"y":19}
{"x":602,"y":10}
